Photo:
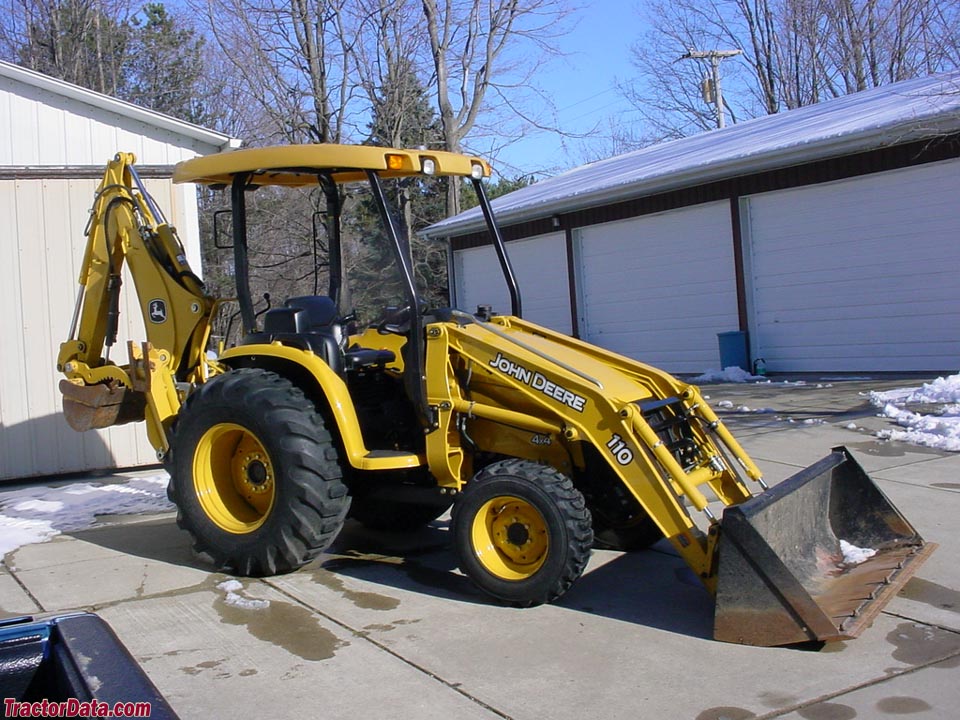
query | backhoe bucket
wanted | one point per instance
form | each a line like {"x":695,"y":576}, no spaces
{"x":90,"y":407}
{"x":784,"y":575}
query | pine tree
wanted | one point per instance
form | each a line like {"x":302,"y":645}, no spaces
{"x":165,"y":66}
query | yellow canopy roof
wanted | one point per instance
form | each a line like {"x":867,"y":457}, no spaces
{"x":296,"y":165}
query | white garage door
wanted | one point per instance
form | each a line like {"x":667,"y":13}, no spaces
{"x":540,"y":265}
{"x":858,"y":275}
{"x":660,"y":287}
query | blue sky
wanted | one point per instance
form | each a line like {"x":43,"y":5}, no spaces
{"x":583,"y":88}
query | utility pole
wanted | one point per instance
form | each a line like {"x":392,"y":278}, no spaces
{"x":711,"y":87}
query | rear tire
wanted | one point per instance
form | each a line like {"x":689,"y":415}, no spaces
{"x":255,"y":474}
{"x":522,"y":531}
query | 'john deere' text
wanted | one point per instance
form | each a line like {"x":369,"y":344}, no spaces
{"x":538,"y":382}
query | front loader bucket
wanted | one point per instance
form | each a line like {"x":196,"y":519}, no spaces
{"x":783,"y":577}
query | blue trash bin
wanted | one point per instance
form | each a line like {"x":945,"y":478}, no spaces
{"x":733,"y":350}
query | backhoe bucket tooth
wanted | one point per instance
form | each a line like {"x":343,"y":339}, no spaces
{"x":782,"y":576}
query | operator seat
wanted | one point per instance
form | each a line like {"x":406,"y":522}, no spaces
{"x":308,"y":322}
{"x":312,"y":322}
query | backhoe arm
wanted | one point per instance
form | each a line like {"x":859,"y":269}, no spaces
{"x":127,"y":227}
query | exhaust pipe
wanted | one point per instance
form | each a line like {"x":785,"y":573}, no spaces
{"x":815,"y":558}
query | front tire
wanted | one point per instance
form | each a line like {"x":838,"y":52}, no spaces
{"x":255,"y":474}
{"x":523,"y":532}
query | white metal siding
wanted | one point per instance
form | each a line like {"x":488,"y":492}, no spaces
{"x":39,"y":256}
{"x":39,"y":262}
{"x":43,"y":128}
{"x":859,"y":274}
{"x":540,"y":264}
{"x":659,"y":288}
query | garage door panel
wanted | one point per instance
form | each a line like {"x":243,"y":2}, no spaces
{"x":698,"y":276}
{"x":666,"y":318}
{"x":540,"y":265}
{"x":838,"y":299}
{"x":659,"y":288}
{"x":860,"y":271}
{"x":840,"y":358}
{"x":899,"y":258}
{"x":871,"y":333}
{"x":823,"y":313}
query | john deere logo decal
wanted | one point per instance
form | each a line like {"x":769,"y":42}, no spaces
{"x":157,"y":311}
{"x":538,"y":382}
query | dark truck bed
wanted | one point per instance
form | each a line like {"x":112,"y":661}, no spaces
{"x":73,"y":659}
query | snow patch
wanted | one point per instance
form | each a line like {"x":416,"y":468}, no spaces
{"x":853,"y":555}
{"x":17,"y":532}
{"x":229,"y":586}
{"x":942,"y":390}
{"x":36,"y":514}
{"x":940,"y":431}
{"x":233,"y":598}
{"x":732,"y":374}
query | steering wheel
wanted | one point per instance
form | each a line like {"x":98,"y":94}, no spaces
{"x":397,"y":322}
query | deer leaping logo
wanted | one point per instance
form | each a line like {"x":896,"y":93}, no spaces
{"x":157,"y":310}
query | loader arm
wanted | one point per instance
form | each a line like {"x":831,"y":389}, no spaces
{"x":126,"y":228}
{"x":572,"y":394}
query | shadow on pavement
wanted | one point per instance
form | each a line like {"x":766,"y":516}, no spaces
{"x":650,"y":588}
{"x":159,"y":539}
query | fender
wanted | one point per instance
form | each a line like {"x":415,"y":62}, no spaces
{"x":315,"y":377}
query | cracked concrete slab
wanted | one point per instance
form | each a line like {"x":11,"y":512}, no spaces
{"x":386,"y":625}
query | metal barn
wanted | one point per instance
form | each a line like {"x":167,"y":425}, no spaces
{"x":827,"y":235}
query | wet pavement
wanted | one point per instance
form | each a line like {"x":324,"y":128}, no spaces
{"x":385,"y":626}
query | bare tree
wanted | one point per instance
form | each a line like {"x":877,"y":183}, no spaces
{"x":795,"y":53}
{"x":293,"y":58}
{"x":484,"y":48}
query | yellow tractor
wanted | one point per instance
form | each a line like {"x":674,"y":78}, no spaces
{"x":540,"y":442}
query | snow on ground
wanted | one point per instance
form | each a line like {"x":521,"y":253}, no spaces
{"x":732,"y":374}
{"x":940,"y":430}
{"x":232,"y":589}
{"x":36,"y":514}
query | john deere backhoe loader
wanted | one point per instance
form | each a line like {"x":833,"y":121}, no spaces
{"x":538,"y":440}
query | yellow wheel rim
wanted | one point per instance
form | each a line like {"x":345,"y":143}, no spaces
{"x":510,"y":538}
{"x":234,"y":478}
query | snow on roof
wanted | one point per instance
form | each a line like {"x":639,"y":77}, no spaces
{"x":888,"y":115}
{"x":121,"y":107}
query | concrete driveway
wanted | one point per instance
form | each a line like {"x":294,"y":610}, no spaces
{"x":386,"y":627}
